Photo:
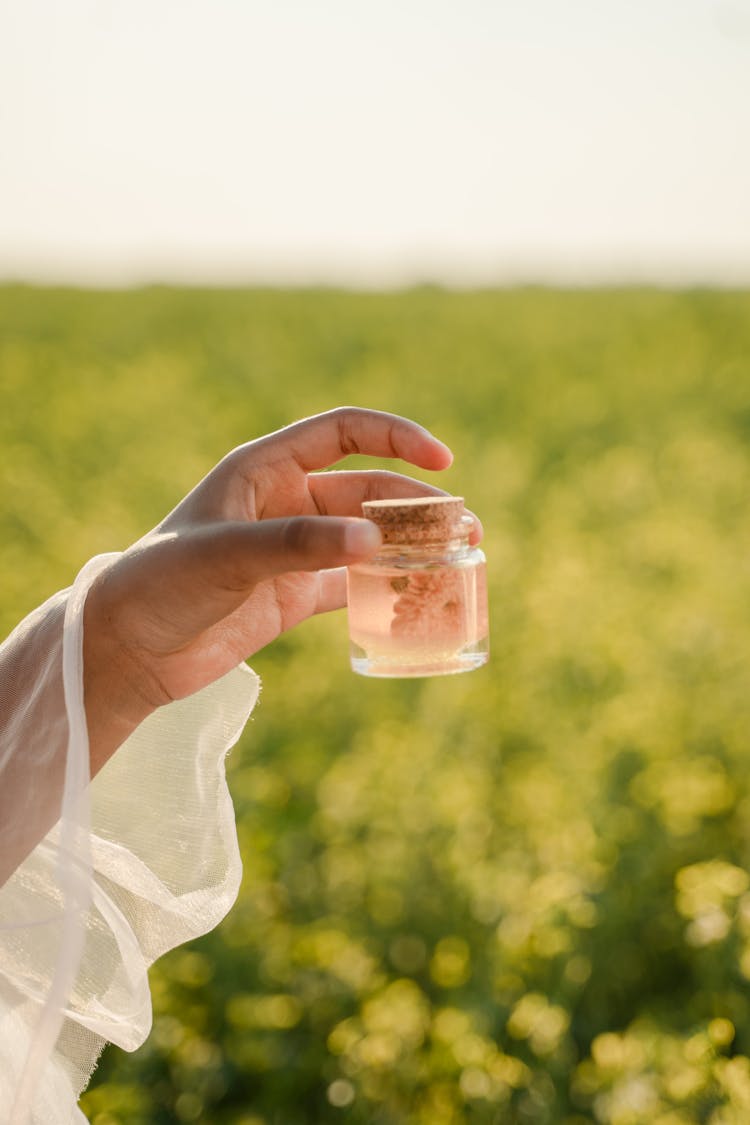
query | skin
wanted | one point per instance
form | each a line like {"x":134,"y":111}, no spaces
{"x":258,"y":546}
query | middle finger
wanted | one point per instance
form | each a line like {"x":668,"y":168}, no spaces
{"x":342,"y":493}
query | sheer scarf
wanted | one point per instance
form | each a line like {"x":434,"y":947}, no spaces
{"x":140,"y":859}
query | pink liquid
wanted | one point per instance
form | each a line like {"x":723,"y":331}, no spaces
{"x":418,"y":621}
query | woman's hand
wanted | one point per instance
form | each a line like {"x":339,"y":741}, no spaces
{"x":259,"y":545}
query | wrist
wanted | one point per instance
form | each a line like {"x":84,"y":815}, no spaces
{"x":114,"y":698}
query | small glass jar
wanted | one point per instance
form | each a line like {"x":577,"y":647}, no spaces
{"x":419,"y":607}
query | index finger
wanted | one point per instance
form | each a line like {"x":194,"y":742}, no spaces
{"x":323,"y":439}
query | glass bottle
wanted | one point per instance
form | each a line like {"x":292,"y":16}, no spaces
{"x":419,"y":607}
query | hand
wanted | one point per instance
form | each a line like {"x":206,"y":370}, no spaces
{"x":258,"y":546}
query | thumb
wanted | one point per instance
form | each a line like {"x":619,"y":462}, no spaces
{"x":174,"y":586}
{"x":244,"y":554}
{"x":197,"y":577}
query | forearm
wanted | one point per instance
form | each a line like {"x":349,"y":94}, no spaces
{"x":34,"y":732}
{"x":35,"y":717}
{"x":115,"y":703}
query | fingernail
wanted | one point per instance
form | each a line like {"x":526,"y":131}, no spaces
{"x":361,"y":538}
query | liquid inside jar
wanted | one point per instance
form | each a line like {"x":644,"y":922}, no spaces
{"x":419,"y":609}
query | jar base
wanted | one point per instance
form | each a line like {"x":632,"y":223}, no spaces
{"x":426,"y":664}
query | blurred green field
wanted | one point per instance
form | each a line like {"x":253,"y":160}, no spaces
{"x":519,"y":896}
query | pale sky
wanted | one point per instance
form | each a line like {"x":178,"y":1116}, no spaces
{"x":378,"y":142}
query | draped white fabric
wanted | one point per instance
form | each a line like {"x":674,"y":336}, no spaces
{"x":141,"y":859}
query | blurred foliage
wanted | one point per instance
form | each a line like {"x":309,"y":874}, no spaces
{"x":518,"y":896}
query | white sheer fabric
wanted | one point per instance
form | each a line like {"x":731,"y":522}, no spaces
{"x":141,"y":859}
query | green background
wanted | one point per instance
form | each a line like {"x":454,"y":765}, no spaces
{"x":516,"y":896}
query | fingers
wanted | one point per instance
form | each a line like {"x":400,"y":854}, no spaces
{"x":342,"y":493}
{"x":331,"y":590}
{"x":324,"y":439}
{"x":232,"y":558}
{"x":267,"y":477}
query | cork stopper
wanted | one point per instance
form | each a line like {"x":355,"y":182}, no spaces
{"x":422,"y":519}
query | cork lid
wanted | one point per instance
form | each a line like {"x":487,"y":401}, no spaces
{"x":421,"y":519}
